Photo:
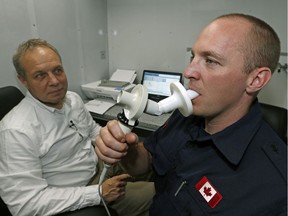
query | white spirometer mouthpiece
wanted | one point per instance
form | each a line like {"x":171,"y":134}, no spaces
{"x":180,"y":98}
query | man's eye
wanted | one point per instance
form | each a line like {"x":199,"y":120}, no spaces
{"x":210,"y":61}
{"x":40,"y":75}
{"x":58,"y":71}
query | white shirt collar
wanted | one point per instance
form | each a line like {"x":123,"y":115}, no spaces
{"x":67,"y":101}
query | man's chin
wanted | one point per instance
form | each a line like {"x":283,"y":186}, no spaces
{"x":57,"y":93}
{"x":196,"y":111}
{"x":56,"y":102}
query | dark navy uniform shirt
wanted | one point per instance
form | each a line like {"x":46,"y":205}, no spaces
{"x":238,"y":171}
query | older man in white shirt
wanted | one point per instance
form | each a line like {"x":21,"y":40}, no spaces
{"x":47,"y":157}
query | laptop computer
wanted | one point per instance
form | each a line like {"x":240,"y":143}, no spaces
{"x":158,"y":83}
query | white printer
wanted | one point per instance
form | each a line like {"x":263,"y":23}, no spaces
{"x":120,"y":80}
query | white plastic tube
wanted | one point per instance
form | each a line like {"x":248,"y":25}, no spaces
{"x":180,"y":99}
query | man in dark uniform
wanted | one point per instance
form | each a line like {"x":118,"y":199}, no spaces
{"x":224,"y":159}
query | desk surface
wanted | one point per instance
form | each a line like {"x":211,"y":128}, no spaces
{"x":146,"y":122}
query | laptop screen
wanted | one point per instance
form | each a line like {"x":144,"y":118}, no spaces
{"x":158,"y":83}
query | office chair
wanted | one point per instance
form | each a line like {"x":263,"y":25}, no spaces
{"x":276,"y":117}
{"x":10,"y":96}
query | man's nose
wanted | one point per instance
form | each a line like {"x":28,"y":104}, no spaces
{"x":192,"y":71}
{"x":53,"y":79}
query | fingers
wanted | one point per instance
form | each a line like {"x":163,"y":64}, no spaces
{"x":108,"y":155}
{"x":131,"y":138}
{"x":110,"y":143}
{"x":112,"y":136}
{"x":123,"y":178}
{"x":114,"y":188}
{"x":114,"y":128}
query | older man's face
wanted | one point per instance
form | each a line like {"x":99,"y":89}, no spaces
{"x":45,"y":77}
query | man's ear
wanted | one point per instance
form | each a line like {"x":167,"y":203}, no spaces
{"x":257,"y":79}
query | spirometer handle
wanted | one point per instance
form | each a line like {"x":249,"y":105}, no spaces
{"x":124,"y":123}
{"x":126,"y":129}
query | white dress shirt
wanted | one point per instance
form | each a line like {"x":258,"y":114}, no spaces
{"x":47,"y":157}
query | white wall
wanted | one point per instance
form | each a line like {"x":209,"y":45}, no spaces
{"x":77,"y":28}
{"x":154,"y":34}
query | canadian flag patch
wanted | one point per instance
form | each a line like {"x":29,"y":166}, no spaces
{"x":208,"y":192}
